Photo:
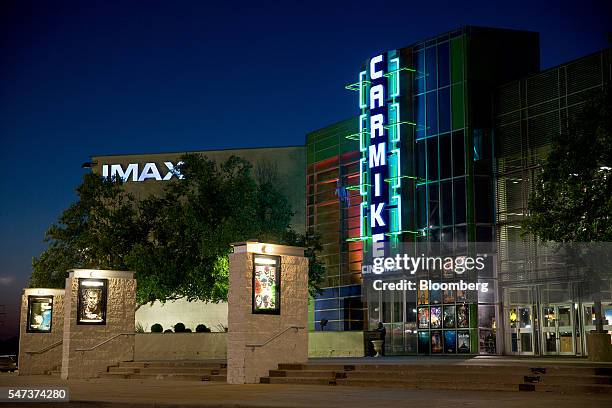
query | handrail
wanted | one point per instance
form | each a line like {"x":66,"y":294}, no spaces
{"x":105,"y":341}
{"x":44,"y":350}
{"x":252,"y":346}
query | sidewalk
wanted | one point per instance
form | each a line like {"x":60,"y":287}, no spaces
{"x":119,"y":393}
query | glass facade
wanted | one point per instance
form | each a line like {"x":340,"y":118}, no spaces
{"x":462,"y":150}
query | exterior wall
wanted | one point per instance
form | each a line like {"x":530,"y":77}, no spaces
{"x":527,"y":114}
{"x":335,"y":344}
{"x":333,"y":173}
{"x":286,"y":165}
{"x":41,"y":363}
{"x":247,"y":364}
{"x":213,"y":315}
{"x":180,"y":346}
{"x":121,"y":304}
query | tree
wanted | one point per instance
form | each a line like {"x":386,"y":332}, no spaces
{"x":177,"y":243}
{"x":194,"y":222}
{"x":97,"y":231}
{"x":572,"y":198}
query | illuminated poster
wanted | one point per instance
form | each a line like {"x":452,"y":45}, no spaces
{"x":40,"y":314}
{"x":463,"y":341}
{"x":266,"y":284}
{"x":449,"y":296}
{"x":435,"y":297}
{"x":423,"y":342}
{"x":92,"y":301}
{"x":423,"y":317}
{"x":436,"y":317}
{"x":450,"y":341}
{"x":423,"y":296}
{"x":449,"y":317}
{"x":463,"y":316}
{"x":436,"y":341}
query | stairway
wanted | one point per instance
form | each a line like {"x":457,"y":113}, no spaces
{"x":168,"y":370}
{"x":517,"y":377}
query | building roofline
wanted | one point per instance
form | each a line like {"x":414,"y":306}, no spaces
{"x":197,"y":151}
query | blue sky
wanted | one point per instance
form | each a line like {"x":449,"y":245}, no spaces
{"x":84,"y":78}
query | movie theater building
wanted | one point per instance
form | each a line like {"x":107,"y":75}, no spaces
{"x":447,"y":136}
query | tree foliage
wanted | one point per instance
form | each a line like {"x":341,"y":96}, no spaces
{"x":178,"y":243}
{"x":572,"y":198}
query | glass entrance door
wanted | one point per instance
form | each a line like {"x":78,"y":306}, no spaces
{"x":520,"y":329}
{"x":558,"y":334}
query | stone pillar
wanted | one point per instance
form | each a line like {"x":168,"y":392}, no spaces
{"x":98,"y":321}
{"x":260,"y":337}
{"x":41,"y":330}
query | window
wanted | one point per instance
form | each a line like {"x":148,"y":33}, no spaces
{"x":432,"y":113}
{"x":443,"y":64}
{"x":419,"y":76}
{"x":445,"y":156}
{"x":458,"y":154}
{"x":444,"y":110}
{"x":459,"y":201}
{"x":421,"y":160}
{"x":434,"y":205}
{"x":419,"y":115}
{"x":432,"y":158}
{"x":431,"y":78}
{"x":446,"y":198}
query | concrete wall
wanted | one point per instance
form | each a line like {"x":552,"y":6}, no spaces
{"x":41,"y":363}
{"x":121,"y":304}
{"x":180,"y":346}
{"x":190,"y":313}
{"x":335,"y":344}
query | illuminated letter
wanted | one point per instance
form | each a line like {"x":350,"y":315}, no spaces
{"x":117,"y":170}
{"x":149,"y":171}
{"x":172,"y":171}
{"x":377,"y":155}
{"x":377,"y":95}
{"x":374,"y":73}
{"x":378,"y":246}
{"x":377,"y":123}
{"x":377,"y":184}
{"x":375,"y":210}
{"x":105,"y":171}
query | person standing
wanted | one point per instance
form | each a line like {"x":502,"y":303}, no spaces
{"x":383,"y":335}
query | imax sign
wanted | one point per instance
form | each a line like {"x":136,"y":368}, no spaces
{"x":141,"y":171}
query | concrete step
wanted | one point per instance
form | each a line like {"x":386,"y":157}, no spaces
{"x":302,"y":373}
{"x":297,"y":380}
{"x":177,"y":363}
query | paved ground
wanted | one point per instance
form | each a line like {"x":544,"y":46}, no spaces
{"x":119,"y":393}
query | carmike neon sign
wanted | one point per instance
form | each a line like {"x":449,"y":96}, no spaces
{"x":133,"y":171}
{"x":377,"y":155}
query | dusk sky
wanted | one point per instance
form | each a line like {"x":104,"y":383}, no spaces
{"x":100,"y":77}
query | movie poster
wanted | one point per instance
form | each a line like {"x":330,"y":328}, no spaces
{"x":463,"y":316}
{"x":423,"y":318}
{"x":461,"y":295}
{"x":449,"y":296}
{"x":40,"y":314}
{"x":92,"y":301}
{"x":436,"y":341}
{"x":486,"y":341}
{"x":423,"y":297}
{"x":423,"y":342}
{"x":463,"y":341}
{"x":266,"y":284}
{"x":435,"y":297}
{"x":436,"y":317}
{"x":449,"y":317}
{"x":450,"y":341}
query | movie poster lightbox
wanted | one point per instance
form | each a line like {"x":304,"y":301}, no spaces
{"x":40,"y":314}
{"x":92,"y":301}
{"x":266,"y":284}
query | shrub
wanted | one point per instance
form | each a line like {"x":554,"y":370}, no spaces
{"x":168,"y":331}
{"x":139,"y":328}
{"x":157,"y":328}
{"x":187,"y":330}
{"x":179,"y":328}
{"x":201,"y":328}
